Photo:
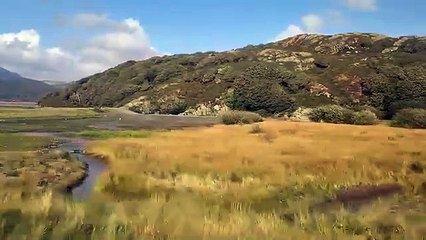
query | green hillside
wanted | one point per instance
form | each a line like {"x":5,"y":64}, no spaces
{"x":307,"y":70}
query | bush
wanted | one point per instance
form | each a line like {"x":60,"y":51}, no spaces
{"x":410,"y":118}
{"x":332,"y":114}
{"x":264,"y":96}
{"x":178,"y":107}
{"x":393,"y":88}
{"x":240,"y":117}
{"x":267,"y":88}
{"x":338,"y":114}
{"x":365,"y":117}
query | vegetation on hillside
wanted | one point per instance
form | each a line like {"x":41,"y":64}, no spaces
{"x":349,"y":70}
{"x":341,"y":115}
{"x":410,"y":118}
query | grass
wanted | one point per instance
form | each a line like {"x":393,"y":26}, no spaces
{"x":320,"y":151}
{"x":259,"y":181}
{"x":29,"y":166}
{"x":17,"y":119}
{"x":240,"y":117}
{"x":240,"y":182}
{"x":107,"y":134}
{"x":8,"y":113}
{"x":15,"y":142}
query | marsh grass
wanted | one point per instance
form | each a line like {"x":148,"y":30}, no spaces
{"x":7,"y":113}
{"x":231,"y":182}
{"x":30,"y":164}
{"x":256,"y":174}
{"x":16,"y":142}
{"x":107,"y":134}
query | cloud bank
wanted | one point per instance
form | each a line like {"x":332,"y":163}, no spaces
{"x":311,"y":23}
{"x":116,"y":42}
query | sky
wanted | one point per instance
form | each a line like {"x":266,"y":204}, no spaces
{"x":65,"y":40}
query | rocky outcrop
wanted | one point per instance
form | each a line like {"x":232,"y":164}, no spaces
{"x":208,"y":109}
{"x":302,"y":60}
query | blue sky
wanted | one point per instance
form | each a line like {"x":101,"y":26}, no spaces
{"x":83,"y":34}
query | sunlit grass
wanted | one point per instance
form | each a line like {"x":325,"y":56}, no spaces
{"x":239,"y":182}
{"x":256,"y":173}
{"x":281,"y":153}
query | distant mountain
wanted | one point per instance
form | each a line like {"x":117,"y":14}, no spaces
{"x":14,"y":87}
{"x":8,"y":75}
{"x":353,"y":69}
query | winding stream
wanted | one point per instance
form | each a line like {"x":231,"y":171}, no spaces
{"x":95,"y":167}
{"x":75,"y":147}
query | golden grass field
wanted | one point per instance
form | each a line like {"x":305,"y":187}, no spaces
{"x":282,"y":152}
{"x":270,"y":180}
{"x":239,"y":181}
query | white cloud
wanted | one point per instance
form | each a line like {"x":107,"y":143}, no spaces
{"x":312,"y":23}
{"x":292,"y":30}
{"x":364,"y":5}
{"x":118,"y":42}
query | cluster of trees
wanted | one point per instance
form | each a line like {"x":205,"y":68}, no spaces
{"x":394,"y":88}
{"x":267,"y":89}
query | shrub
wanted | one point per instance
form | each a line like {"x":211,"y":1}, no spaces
{"x":240,"y":117}
{"x":399,"y":105}
{"x":393,"y":88}
{"x":178,"y":107}
{"x":410,"y":118}
{"x":99,"y":109}
{"x":268,"y":88}
{"x":256,"y":129}
{"x":338,"y":114}
{"x":332,"y":114}
{"x":264,"y":96}
{"x":365,"y":117}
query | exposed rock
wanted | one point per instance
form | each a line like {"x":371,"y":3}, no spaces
{"x":303,"y":60}
{"x":208,"y":109}
{"x":319,"y":90}
{"x":301,"y":115}
{"x":389,"y":50}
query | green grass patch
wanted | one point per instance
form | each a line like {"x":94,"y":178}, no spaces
{"x":15,"y":142}
{"x":106,"y":134}
{"x":8,"y":113}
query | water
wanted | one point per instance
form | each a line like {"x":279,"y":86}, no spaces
{"x":95,"y":167}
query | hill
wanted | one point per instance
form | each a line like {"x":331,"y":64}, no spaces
{"x":353,"y":69}
{"x":13,"y":87}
